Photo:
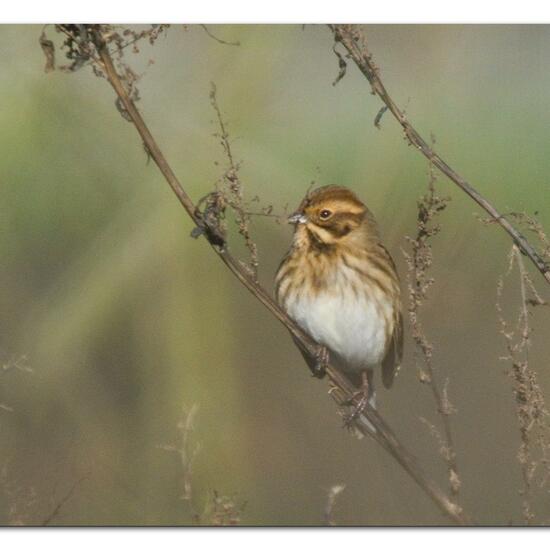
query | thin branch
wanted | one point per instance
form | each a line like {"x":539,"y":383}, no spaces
{"x":219,"y":40}
{"x":231,"y":187}
{"x":55,"y":512}
{"x":531,"y":410}
{"x":341,"y":389}
{"x":332,"y":495}
{"x":16,"y":363}
{"x":186,"y":450}
{"x":419,"y":282}
{"x":221,"y":510}
{"x":353,"y":39}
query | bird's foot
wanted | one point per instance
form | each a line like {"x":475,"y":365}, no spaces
{"x":322,"y":359}
{"x":358,"y":408}
{"x":364,"y":395}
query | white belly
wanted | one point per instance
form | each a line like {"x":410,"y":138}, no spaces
{"x":352,"y":327}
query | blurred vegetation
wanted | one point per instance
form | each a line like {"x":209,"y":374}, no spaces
{"x":124,"y":319}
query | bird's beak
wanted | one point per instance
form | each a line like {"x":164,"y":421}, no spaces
{"x":297,"y":217}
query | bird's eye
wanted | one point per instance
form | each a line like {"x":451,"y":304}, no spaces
{"x":325,"y":214}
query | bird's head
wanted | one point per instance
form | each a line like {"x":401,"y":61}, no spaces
{"x":330,"y":215}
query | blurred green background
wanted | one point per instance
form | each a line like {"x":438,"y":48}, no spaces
{"x":124,"y":319}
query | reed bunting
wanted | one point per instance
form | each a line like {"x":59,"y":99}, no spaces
{"x":339,"y":283}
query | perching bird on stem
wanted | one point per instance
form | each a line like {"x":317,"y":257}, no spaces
{"x":340,"y":284}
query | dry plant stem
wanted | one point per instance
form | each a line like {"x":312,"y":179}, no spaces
{"x":419,"y":283}
{"x":352,"y":38}
{"x":531,"y":410}
{"x":18,"y":363}
{"x":55,"y":512}
{"x":449,"y":453}
{"x":527,"y":470}
{"x":343,"y":389}
{"x":233,"y":191}
{"x":388,"y":440}
{"x":185,"y":450}
{"x":333,"y":493}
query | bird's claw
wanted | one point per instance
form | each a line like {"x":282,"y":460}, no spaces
{"x":358,"y":409}
{"x":363,"y":395}
{"x":322,"y":358}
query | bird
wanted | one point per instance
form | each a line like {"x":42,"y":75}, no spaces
{"x":339,"y":283}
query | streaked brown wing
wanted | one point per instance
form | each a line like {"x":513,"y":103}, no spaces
{"x":392,"y":360}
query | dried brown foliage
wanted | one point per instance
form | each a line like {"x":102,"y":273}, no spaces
{"x":419,"y":261}
{"x":80,"y":50}
{"x":531,"y":410}
{"x":219,"y":509}
{"x":230,"y":190}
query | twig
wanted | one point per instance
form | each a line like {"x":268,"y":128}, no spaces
{"x":186,"y":451}
{"x":531,"y":409}
{"x":341,"y":390}
{"x":17,"y":363}
{"x":221,"y":510}
{"x":355,"y":43}
{"x":418,"y":264}
{"x":219,"y":40}
{"x":55,"y":512}
{"x":333,"y":493}
{"x":153,"y":33}
{"x":232,"y":188}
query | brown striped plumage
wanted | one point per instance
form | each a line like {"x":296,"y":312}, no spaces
{"x":339,"y":283}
